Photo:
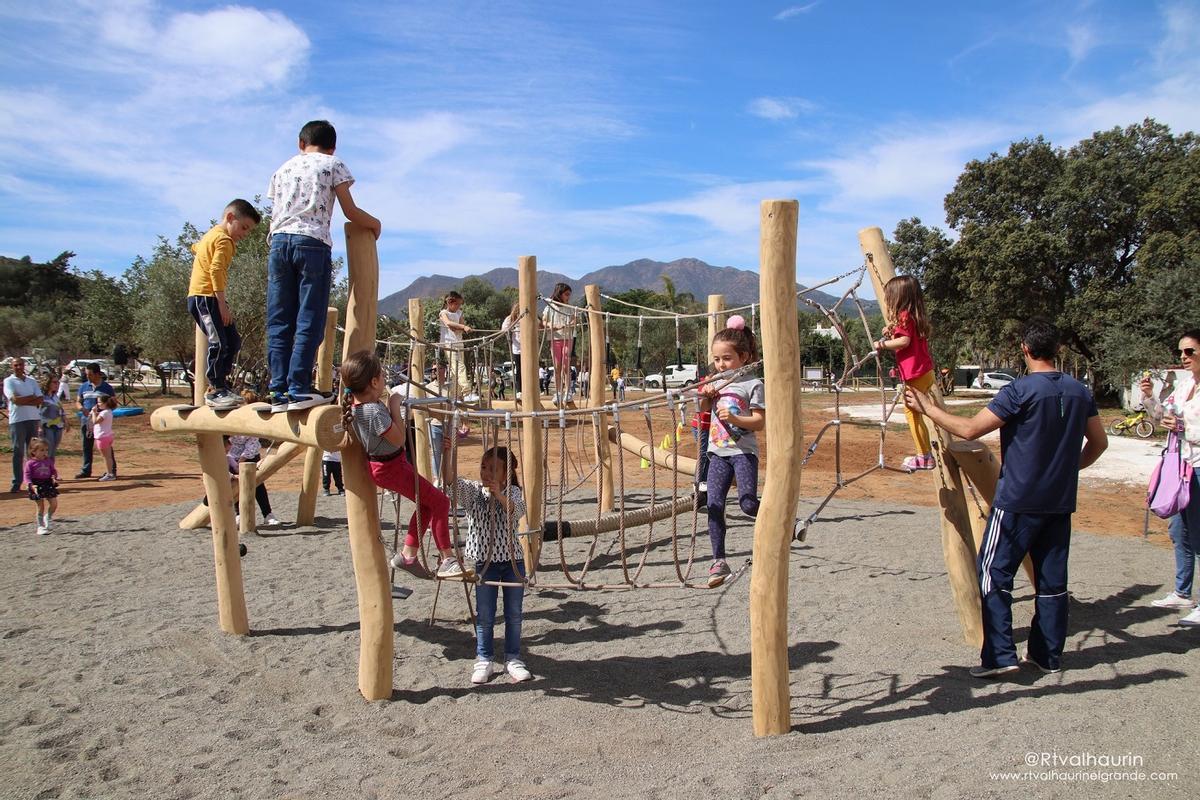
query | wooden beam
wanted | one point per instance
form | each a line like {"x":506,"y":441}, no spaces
{"x":531,"y":433}
{"x":306,"y":505}
{"x":716,"y":319}
{"x":958,"y":538}
{"x":642,"y":449}
{"x":316,"y":427}
{"x":371,"y":575}
{"x":231,"y":598}
{"x":769,"y":684}
{"x":417,"y":373}
{"x":248,"y":510}
{"x":595,"y":399}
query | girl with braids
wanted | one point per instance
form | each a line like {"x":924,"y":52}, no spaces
{"x":373,"y":424}
{"x":735,"y":411}
{"x":907,"y":334}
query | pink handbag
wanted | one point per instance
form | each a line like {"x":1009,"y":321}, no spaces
{"x":1170,"y":488}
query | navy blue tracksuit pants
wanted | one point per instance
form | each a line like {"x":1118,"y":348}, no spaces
{"x":1047,"y":540}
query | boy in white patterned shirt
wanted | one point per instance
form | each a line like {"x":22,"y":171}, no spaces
{"x":300,"y":264}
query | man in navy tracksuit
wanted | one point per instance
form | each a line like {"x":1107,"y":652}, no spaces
{"x":1044,"y":418}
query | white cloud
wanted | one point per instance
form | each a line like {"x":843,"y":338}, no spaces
{"x":1081,"y":40}
{"x":795,"y":11}
{"x":779,"y":108}
{"x":730,"y":209}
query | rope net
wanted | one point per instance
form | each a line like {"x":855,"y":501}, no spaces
{"x":588,"y":548}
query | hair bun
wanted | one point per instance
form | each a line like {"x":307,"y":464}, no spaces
{"x":737,"y":322}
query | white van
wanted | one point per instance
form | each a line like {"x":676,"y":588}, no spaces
{"x":674,"y":375}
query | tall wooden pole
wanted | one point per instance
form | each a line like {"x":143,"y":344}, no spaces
{"x":231,"y":597}
{"x":958,"y":538}
{"x":200,"y":373}
{"x":306,"y":508}
{"x":773,"y":527}
{"x":531,"y":434}
{"x":376,"y":644}
{"x":716,"y":319}
{"x":596,"y":394}
{"x":416,"y":323}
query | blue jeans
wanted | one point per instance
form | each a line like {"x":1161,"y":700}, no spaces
{"x":1185,"y":535}
{"x":299,"y":272}
{"x":435,"y":445}
{"x":485,"y":609}
{"x":53,"y":436}
{"x":21,"y":433}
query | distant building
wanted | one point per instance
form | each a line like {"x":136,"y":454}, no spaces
{"x":829,"y":332}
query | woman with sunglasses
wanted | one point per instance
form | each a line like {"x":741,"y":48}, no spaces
{"x":1180,"y":411}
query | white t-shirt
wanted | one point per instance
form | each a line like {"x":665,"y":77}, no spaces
{"x":450,"y":336}
{"x":561,"y":321}
{"x":514,"y":334}
{"x":15,"y":387}
{"x":301,"y":194}
{"x":103,"y":424}
{"x":332,"y":456}
{"x":727,"y":439}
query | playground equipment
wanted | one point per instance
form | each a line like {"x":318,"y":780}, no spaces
{"x":536,"y":428}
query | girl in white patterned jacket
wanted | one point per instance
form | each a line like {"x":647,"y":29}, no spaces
{"x":494,"y":506}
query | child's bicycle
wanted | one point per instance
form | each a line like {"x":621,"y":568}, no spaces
{"x":1138,"y":423}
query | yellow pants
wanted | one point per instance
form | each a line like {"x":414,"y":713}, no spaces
{"x":458,"y":377}
{"x":916,"y":421}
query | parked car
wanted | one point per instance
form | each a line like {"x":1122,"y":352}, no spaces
{"x":992,"y":380}
{"x":77,"y":366}
{"x":674,"y":375}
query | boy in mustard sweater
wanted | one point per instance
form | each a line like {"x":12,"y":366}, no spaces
{"x":206,"y":298}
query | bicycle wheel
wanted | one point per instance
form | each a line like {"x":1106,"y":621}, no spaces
{"x":1116,"y":426}
{"x":1144,"y":429}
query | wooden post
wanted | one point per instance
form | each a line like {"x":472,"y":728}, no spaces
{"x":596,"y":393}
{"x":716,"y":319}
{"x":231,"y":599}
{"x":531,"y":433}
{"x":198,"y":517}
{"x":958,"y":538}
{"x":200,"y":373}
{"x":376,"y":645}
{"x":246,"y":506}
{"x":769,"y":683}
{"x":306,"y":506}
{"x":416,"y":323}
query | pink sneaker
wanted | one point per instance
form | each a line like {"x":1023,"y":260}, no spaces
{"x":914,"y":463}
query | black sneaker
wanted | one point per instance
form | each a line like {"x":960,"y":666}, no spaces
{"x":994,"y":672}
{"x":278,"y":401}
{"x":299,"y":402}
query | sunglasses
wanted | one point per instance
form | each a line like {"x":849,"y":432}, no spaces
{"x":1187,"y":351}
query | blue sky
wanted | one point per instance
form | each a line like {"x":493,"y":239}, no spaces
{"x":588,"y":134}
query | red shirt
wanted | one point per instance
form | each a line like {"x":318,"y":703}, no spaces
{"x":914,"y":360}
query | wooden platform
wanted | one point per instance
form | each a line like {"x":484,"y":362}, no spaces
{"x":316,"y":427}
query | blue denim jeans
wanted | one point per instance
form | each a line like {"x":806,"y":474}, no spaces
{"x":299,"y":272}
{"x":1185,"y":535}
{"x":435,"y":445}
{"x":485,"y":609}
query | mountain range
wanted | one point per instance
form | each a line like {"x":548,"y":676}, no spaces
{"x":689,"y":275}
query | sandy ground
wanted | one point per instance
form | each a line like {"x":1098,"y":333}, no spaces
{"x":119,"y":684}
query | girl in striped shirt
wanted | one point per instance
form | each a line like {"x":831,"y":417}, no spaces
{"x":494,"y":506}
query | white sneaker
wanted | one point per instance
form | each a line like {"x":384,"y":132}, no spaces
{"x":450,"y":568}
{"x":107,"y":477}
{"x":47,"y":523}
{"x":517,"y":671}
{"x":471,"y":398}
{"x":1173,"y":600}
{"x":1191,"y":619}
{"x":271,"y":520}
{"x":482,"y":672}
{"x":42,"y":530}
